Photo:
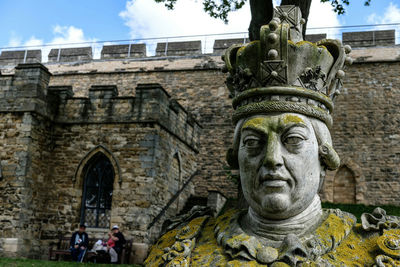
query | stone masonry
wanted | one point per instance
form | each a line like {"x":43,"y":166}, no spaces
{"x":198,"y":84}
{"x":53,"y":123}
{"x":48,"y":136}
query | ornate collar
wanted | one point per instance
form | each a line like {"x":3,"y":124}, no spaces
{"x":334,"y":228}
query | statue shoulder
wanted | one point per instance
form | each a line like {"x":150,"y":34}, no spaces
{"x":373,"y":242}
{"x":175,"y":246}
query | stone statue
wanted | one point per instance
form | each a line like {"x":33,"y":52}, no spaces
{"x":283,"y":90}
{"x":262,"y":12}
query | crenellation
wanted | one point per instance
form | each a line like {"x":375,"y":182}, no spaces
{"x":103,"y":91}
{"x":123,"y":51}
{"x":369,"y":38}
{"x":63,"y":91}
{"x":187,"y":48}
{"x":137,"y":51}
{"x":70,"y":54}
{"x":152,"y":103}
{"x":315,"y":37}
{"x":220,"y":45}
{"x":20,"y":56}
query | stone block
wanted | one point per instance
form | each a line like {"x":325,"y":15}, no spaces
{"x":10,"y":245}
{"x":139,"y":252}
{"x":216,"y":201}
{"x":179,"y":48}
{"x":21,"y":56}
{"x":123,"y":51}
{"x":313,"y":38}
{"x":64,"y":92}
{"x":70,"y":54}
{"x":103,"y":91}
{"x":31,"y":80}
{"x":369,"y":38}
{"x":221,"y":44}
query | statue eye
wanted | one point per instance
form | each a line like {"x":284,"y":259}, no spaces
{"x":252,"y":142}
{"x":294,"y":140}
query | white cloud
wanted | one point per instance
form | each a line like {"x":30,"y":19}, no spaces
{"x":63,"y":36}
{"x":33,"y":41}
{"x":70,"y":36}
{"x":150,"y":19}
{"x":391,"y":15}
{"x":16,"y":41}
{"x":322,"y":15}
{"x":146,"y":19}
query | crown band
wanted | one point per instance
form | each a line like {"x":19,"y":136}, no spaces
{"x":266,"y":107}
{"x":286,"y":93}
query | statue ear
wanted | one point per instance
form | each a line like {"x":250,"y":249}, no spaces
{"x":329,"y":156}
{"x":232,"y":159}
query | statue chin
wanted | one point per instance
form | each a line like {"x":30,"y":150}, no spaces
{"x":276,"y":203}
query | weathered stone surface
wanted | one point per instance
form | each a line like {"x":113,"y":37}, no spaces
{"x":215,"y":201}
{"x":366,"y":133}
{"x":203,"y":93}
{"x":123,"y":51}
{"x":315,"y":37}
{"x":370,"y":38}
{"x":23,"y":56}
{"x":221,"y":44}
{"x":178,"y":48}
{"x":45,"y":148}
{"x":70,"y":54}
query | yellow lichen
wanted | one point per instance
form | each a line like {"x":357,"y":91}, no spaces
{"x":192,"y":229}
{"x":239,"y":263}
{"x":355,"y":249}
{"x":301,"y":43}
{"x":208,"y":252}
{"x":292,"y":119}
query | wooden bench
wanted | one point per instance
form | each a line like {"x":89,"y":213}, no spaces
{"x":60,"y":250}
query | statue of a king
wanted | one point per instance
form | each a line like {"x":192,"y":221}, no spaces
{"x":283,"y":90}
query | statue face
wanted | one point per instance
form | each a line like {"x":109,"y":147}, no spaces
{"x":279,"y":164}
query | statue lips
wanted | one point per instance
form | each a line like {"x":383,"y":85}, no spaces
{"x":274,"y":182}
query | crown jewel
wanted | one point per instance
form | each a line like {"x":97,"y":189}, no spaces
{"x":282,"y":73}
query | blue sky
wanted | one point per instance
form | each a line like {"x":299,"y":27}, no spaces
{"x":35,"y":22}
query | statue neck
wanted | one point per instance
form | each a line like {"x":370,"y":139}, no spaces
{"x":277,"y":230}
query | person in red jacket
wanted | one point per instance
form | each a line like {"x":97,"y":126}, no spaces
{"x":119,"y":240}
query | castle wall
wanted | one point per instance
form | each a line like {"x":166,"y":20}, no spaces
{"x":48,"y":138}
{"x":365,"y":126}
{"x":200,"y":91}
{"x":366,"y":132}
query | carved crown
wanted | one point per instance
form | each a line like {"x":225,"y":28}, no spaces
{"x":282,"y":73}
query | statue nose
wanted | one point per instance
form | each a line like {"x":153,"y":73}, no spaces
{"x":273,"y":155}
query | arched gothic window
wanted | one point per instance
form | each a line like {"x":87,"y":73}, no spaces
{"x":97,"y":192}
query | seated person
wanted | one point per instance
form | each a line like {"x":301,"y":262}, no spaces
{"x":107,"y":247}
{"x":79,"y":243}
{"x":115,"y":243}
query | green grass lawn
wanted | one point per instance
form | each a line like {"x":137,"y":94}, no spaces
{"x":39,"y":263}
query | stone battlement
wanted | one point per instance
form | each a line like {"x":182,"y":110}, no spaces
{"x":169,"y":49}
{"x":27,"y":91}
